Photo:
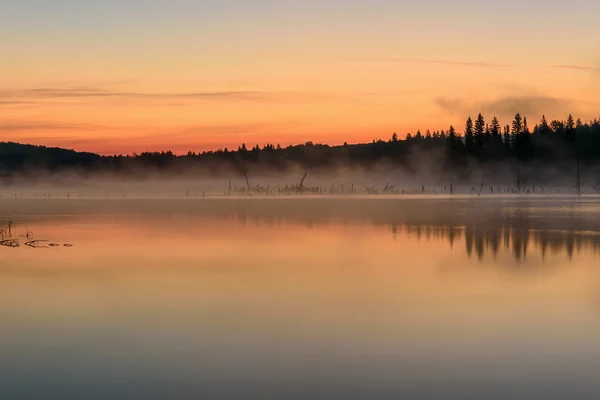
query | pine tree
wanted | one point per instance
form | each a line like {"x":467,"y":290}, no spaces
{"x":517,"y":125}
{"x":506,"y":136}
{"x":495,"y":129}
{"x":570,"y":125}
{"x":394,"y":137}
{"x":557,"y":126}
{"x":522,"y":145}
{"x":469,"y":138}
{"x":452,"y":134}
{"x":570,"y":129}
{"x":544,"y":128}
{"x":479,"y":132}
{"x":516,"y":129}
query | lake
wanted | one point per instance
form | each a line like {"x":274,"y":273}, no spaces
{"x":303,"y":297}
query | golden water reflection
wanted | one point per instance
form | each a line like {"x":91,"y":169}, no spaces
{"x":302,"y":299}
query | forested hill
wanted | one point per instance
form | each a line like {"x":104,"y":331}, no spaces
{"x":17,"y":156}
{"x":481,"y":142}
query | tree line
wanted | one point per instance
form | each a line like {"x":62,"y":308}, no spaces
{"x":480,"y":140}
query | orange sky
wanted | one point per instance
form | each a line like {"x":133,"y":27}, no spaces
{"x":119,"y":85}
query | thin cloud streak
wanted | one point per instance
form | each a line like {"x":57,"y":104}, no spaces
{"x":48,"y":94}
{"x":58,"y":93}
{"x":576,"y":67}
{"x":479,"y":64}
{"x":24,"y":126}
{"x":508,"y":106}
{"x":14,"y":102}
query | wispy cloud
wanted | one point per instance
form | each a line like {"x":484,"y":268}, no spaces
{"x":180,"y":98}
{"x":15,"y":102}
{"x":510,"y":105}
{"x":90,"y":92}
{"x":576,"y":67}
{"x":28,"y":125}
{"x":476,"y":64}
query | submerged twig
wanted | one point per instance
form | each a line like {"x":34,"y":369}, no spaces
{"x":35,"y":243}
{"x":10,"y":243}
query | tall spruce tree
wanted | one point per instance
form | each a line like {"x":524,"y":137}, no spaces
{"x":452,"y":136}
{"x":544,"y":128}
{"x":516,"y":128}
{"x":570,"y":129}
{"x":495,"y":128}
{"x":469,"y":136}
{"x":479,"y":132}
{"x":506,"y":137}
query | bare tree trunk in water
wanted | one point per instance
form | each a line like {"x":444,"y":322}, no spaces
{"x":578,"y":170}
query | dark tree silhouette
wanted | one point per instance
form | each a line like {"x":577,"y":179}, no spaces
{"x":506,"y":139}
{"x":469,"y":136}
{"x":495,"y":128}
{"x":566,"y":143}
{"x":517,"y":127}
{"x":480,"y":131}
{"x":543,"y":128}
{"x":570,"y":129}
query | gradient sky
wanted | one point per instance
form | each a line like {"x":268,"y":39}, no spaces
{"x":132,"y":75}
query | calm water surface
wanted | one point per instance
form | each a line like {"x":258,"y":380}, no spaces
{"x":301,"y":298}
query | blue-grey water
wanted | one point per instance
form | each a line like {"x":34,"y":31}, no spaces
{"x":300,"y":298}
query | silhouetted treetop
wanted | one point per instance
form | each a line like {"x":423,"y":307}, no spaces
{"x":549,"y":142}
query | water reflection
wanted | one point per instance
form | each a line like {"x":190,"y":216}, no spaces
{"x":483,"y":228}
{"x":480,"y":241}
{"x":301,"y":299}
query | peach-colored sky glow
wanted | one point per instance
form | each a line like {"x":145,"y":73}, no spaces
{"x":180,"y":75}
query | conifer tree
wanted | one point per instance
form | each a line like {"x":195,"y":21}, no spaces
{"x":479,"y":132}
{"x":570,"y":129}
{"x":544,"y":128}
{"x":506,"y":136}
{"x":495,"y":128}
{"x":452,"y":134}
{"x":516,"y":129}
{"x":517,"y":125}
{"x":469,"y":137}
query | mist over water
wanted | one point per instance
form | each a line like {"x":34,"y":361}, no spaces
{"x":362,"y":297}
{"x":426,"y":175}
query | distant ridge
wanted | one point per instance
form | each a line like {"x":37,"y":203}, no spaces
{"x":549,"y":143}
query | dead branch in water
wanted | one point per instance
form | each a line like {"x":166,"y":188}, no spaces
{"x":302,"y":181}
{"x":36,"y":243}
{"x":247,"y":181}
